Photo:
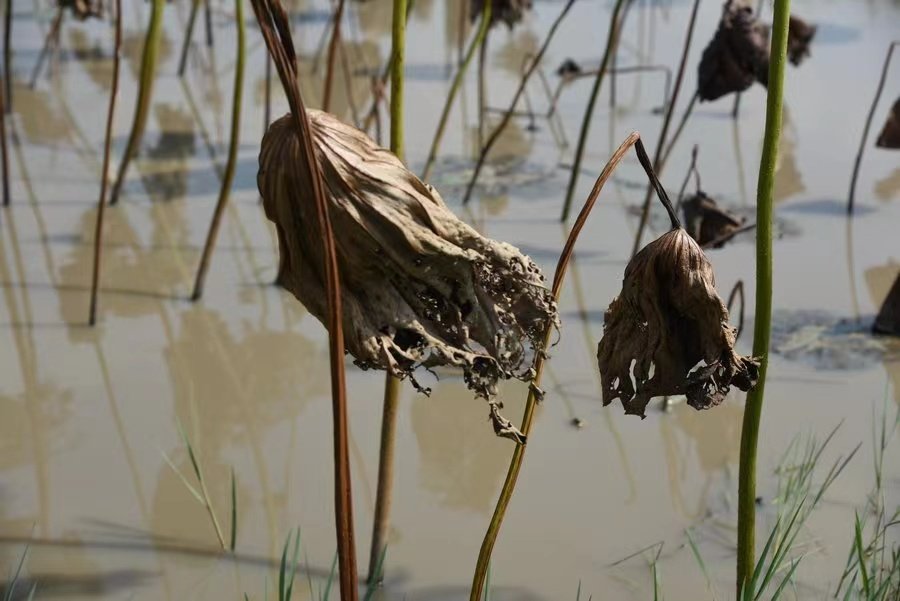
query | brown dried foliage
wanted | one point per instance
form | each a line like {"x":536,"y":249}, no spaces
{"x":890,"y":133}
{"x":888,"y":319}
{"x":707,"y":222}
{"x":510,"y":12}
{"x":84,"y":9}
{"x":737,"y":55}
{"x":419,"y":286}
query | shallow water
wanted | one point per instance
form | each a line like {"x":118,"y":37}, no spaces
{"x":88,"y":416}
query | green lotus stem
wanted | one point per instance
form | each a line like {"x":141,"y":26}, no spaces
{"x":474,"y":45}
{"x":145,"y":92}
{"x":384,"y":496}
{"x":233,"y":145}
{"x":534,"y":391}
{"x":746,"y":550}
{"x":104,"y":177}
{"x":615,"y":27}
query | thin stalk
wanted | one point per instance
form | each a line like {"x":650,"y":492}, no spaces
{"x":4,"y":155}
{"x":615,"y":26}
{"x":534,"y":392}
{"x":684,"y":119}
{"x":51,"y":40}
{"x":332,"y":51}
{"x":267,"y":110}
{"x":381,"y":81}
{"x":865,"y":135}
{"x":233,"y":146}
{"x":495,"y":135}
{"x":104,"y":172}
{"x":7,"y":55}
{"x":658,"y":159}
{"x":482,"y":87}
{"x":763,"y":319}
{"x":207,"y":13}
{"x":273,"y":22}
{"x":188,"y":34}
{"x":384,"y":496}
{"x":145,"y":91}
{"x":476,"y":42}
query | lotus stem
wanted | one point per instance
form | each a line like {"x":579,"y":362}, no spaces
{"x":230,"y":165}
{"x":104,"y":172}
{"x":188,"y":34}
{"x":482,"y":87}
{"x":267,"y":110}
{"x":145,"y":92}
{"x":746,"y":550}
{"x":4,"y":151}
{"x":865,"y":135}
{"x":51,"y":40}
{"x":7,"y":55}
{"x":382,"y":80}
{"x":332,"y":51}
{"x":495,"y":135}
{"x":207,"y":13}
{"x":658,"y":159}
{"x":384,"y":496}
{"x":737,"y":293}
{"x":534,"y":392}
{"x":476,"y":42}
{"x":684,"y":119}
{"x":615,"y":26}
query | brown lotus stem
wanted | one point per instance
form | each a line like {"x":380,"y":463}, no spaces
{"x":104,"y":173}
{"x":332,"y":51}
{"x":276,"y":31}
{"x":737,"y":293}
{"x":7,"y":55}
{"x":495,"y":134}
{"x":865,"y":135}
{"x":615,"y":27}
{"x":614,"y":59}
{"x":684,"y":119}
{"x":534,"y":392}
{"x":207,"y":13}
{"x":658,"y":162}
{"x":52,"y":39}
{"x":267,"y":93}
{"x":233,"y":146}
{"x":188,"y":34}
{"x":381,"y":81}
{"x":692,"y":170}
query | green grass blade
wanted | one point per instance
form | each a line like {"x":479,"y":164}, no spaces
{"x":696,"y":551}
{"x":330,"y":581}
{"x":860,"y":557}
{"x":194,"y":492}
{"x":788,"y":578}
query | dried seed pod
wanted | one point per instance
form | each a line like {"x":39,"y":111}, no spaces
{"x":419,"y":286}
{"x":667,"y":332}
{"x":888,"y":319}
{"x":510,"y":12}
{"x":890,"y":133}
{"x":706,"y":222}
{"x":737,"y":55}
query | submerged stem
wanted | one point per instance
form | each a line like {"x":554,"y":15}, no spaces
{"x":233,"y":146}
{"x":476,"y":43}
{"x":534,"y":393}
{"x":615,"y":26}
{"x":145,"y":91}
{"x":104,"y":173}
{"x":762,"y":327}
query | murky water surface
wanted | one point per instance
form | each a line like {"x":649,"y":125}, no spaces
{"x":88,"y":416}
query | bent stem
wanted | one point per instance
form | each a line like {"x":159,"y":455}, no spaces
{"x":332,"y":51}
{"x":659,"y":159}
{"x":865,"y":135}
{"x":534,"y":391}
{"x":145,"y":91}
{"x":104,"y":173}
{"x":508,"y":115}
{"x":762,"y":327}
{"x":615,"y":28}
{"x":384,"y":496}
{"x":476,"y":43}
{"x":233,"y":145}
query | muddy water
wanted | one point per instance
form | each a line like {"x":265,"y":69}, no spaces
{"x":88,"y":416}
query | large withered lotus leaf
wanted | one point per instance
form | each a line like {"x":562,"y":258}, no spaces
{"x":737,"y":55}
{"x":667,"y":332}
{"x":890,"y":133}
{"x":419,"y":286}
{"x":510,"y":12}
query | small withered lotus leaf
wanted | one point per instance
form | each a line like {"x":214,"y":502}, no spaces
{"x":890,"y":133}
{"x":510,"y":12}
{"x":737,"y":55}
{"x":800,"y":36}
{"x":667,"y":332}
{"x":706,"y":221}
{"x":420,"y":288}
{"x":84,"y":9}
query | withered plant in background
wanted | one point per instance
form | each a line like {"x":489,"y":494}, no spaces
{"x":892,"y":123}
{"x":737,"y":55}
{"x":321,"y":268}
{"x":890,"y":133}
{"x":888,"y":319}
{"x":82,"y":10}
{"x":800,"y":36}
{"x":510,"y":12}
{"x":667,"y":332}
{"x":144,"y":96}
{"x":708,"y":223}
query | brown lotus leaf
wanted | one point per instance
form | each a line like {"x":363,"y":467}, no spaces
{"x":800,"y":35}
{"x":890,"y":133}
{"x":888,"y":319}
{"x":737,"y":55}
{"x":707,"y":222}
{"x":419,"y":286}
{"x":84,"y":9}
{"x":667,"y":332}
{"x":510,"y":12}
